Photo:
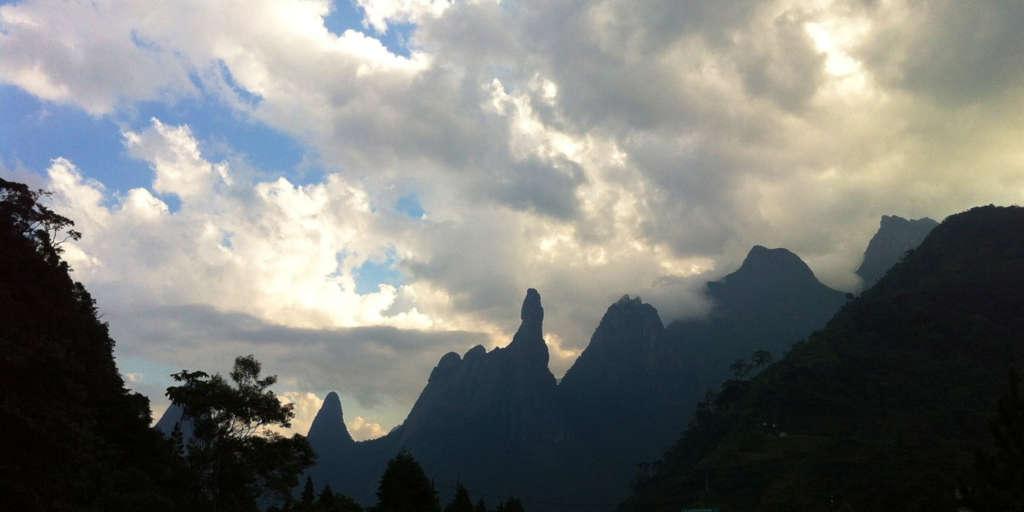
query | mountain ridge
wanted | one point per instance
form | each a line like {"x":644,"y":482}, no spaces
{"x":884,"y":405}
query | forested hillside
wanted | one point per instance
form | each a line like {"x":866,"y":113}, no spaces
{"x":885,"y":406}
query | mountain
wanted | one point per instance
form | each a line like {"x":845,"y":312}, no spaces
{"x":885,"y":406}
{"x":498,"y":422}
{"x":633,"y":389}
{"x":770,"y":302}
{"x":488,"y":420}
{"x":327,"y":433}
{"x":506,"y":395}
{"x":173,"y":417}
{"x":894,"y":238}
{"x":621,"y":402}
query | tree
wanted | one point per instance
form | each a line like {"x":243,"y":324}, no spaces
{"x":308,"y":495}
{"x":512,"y":505}
{"x":326,"y":499}
{"x":234,"y":457}
{"x":404,"y":487}
{"x":331,"y":502}
{"x":26,"y":217}
{"x":461,"y":501}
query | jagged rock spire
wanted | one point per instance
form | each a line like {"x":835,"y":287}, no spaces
{"x":529,"y":339}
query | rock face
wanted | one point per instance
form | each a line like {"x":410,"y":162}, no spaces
{"x":894,"y":238}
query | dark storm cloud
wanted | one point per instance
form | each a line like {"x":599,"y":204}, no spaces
{"x":370,"y":363}
{"x":956,"y":52}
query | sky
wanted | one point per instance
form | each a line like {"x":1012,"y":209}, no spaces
{"x":350,"y":189}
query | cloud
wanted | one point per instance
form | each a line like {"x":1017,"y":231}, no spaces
{"x":364,"y":430}
{"x":175,"y":159}
{"x":588,"y":150}
{"x":305,"y":406}
{"x":378,"y":371}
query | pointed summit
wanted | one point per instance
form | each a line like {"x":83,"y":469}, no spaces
{"x":529,"y":339}
{"x":328,"y":431}
{"x":894,"y":238}
{"x":762,"y":262}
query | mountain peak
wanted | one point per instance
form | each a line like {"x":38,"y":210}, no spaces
{"x":333,"y":399}
{"x":328,"y":430}
{"x":529,"y":339}
{"x":532,"y":310}
{"x":778,"y":264}
{"x":895,"y":236}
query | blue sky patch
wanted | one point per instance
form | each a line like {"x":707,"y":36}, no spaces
{"x":410,"y":205}
{"x":34,"y":132}
{"x":369,"y":275}
{"x":347,"y":15}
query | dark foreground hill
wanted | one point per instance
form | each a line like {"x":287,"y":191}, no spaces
{"x":73,"y":437}
{"x":881,"y":409}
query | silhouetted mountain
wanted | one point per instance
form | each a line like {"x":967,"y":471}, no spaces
{"x":497,"y":421}
{"x":488,"y":420}
{"x":173,"y":417}
{"x":506,"y":394}
{"x":884,"y":406}
{"x":894,"y":238}
{"x":328,"y":432}
{"x":620,"y":401}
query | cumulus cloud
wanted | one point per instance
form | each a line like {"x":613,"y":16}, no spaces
{"x":362,"y":429}
{"x":588,"y":150}
{"x":305,"y":406}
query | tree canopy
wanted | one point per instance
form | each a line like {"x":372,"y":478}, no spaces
{"x":234,"y":457}
{"x":404,"y":487}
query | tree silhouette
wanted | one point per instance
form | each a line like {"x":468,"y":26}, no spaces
{"x":233,"y":456}
{"x":308,"y":495}
{"x":461,"y":501}
{"x":404,"y":487}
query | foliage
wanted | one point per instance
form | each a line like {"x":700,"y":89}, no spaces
{"x":461,"y":502}
{"x":26,"y":217}
{"x":234,"y":457}
{"x":404,"y":487}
